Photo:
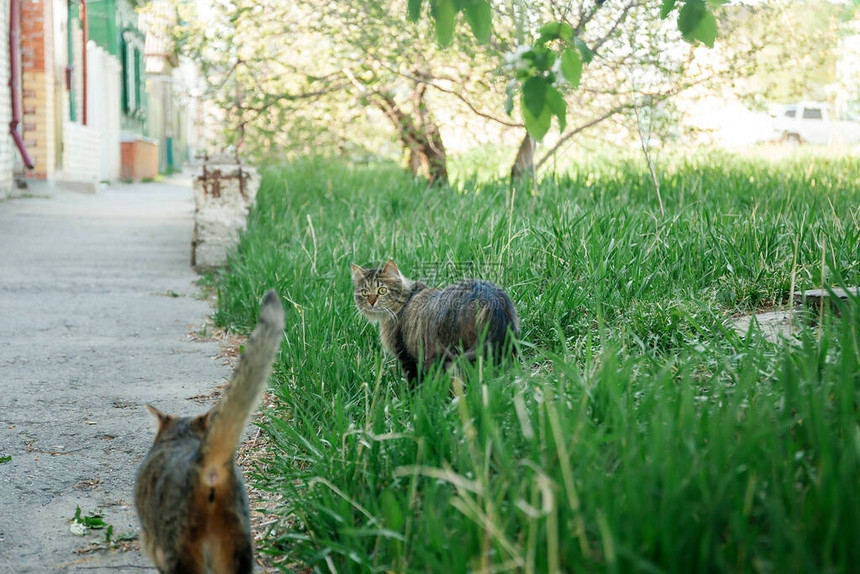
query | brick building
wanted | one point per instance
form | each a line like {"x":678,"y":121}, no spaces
{"x":7,"y":146}
{"x":87,"y":115}
{"x":79,"y":96}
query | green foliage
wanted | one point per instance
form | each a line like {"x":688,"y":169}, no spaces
{"x":94,"y":520}
{"x":696,"y":23}
{"x":571,"y":66}
{"x":5,"y":459}
{"x":539,"y":103}
{"x":786,"y":67}
{"x":478,"y":14}
{"x":639,"y":431}
{"x":542,"y":69}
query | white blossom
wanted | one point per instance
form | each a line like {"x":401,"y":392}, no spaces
{"x":514,"y":61}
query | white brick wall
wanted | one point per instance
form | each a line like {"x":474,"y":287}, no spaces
{"x":103,"y":105}
{"x":78,"y":75}
{"x":7,"y":145}
{"x":82,"y":153}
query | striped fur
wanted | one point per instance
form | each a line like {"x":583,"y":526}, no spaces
{"x":189,"y":493}
{"x":421,"y":325}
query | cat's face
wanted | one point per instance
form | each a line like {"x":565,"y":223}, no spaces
{"x":380,"y":292}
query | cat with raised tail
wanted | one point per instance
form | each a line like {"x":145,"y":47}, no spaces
{"x":422,"y":325}
{"x":189,"y":492}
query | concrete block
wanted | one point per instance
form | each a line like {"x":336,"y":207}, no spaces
{"x":223,"y":196}
{"x":815,"y":298}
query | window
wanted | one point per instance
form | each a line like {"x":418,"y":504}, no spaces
{"x":790,"y":113}
{"x":126,"y":101}
{"x":812,"y":114}
{"x":131,"y":54}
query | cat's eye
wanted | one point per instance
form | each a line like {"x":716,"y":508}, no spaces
{"x":364,"y":292}
{"x":382,"y":290}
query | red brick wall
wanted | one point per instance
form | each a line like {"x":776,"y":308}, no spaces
{"x":38,"y":85}
{"x":34,"y":28}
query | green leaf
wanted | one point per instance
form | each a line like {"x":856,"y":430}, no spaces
{"x":414,"y":10}
{"x":541,"y":57}
{"x":668,"y":6}
{"x":548,"y":32}
{"x":566,"y":32}
{"x":571,"y":66}
{"x":509,"y":105}
{"x":690,"y":15}
{"x":127,"y":536}
{"x":391,"y":510}
{"x":480,"y":17}
{"x":537,"y":126}
{"x":509,"y":97}
{"x":587,"y":54}
{"x":558,"y":107}
{"x":706,"y":31}
{"x":534,"y":95}
{"x":696,"y":22}
{"x":94,"y":521}
{"x":5,"y":459}
{"x":554,"y":31}
{"x":445,"y":14}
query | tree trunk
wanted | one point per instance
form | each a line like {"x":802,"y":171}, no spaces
{"x":524,"y":164}
{"x":421,"y":138}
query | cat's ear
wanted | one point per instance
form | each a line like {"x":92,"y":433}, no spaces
{"x":391,"y":269}
{"x":201,"y":423}
{"x":357,"y":273}
{"x":162,"y":418}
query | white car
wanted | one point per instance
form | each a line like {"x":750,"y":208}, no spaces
{"x":810,"y":122}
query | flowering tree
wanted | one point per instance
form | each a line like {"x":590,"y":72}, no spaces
{"x":286,"y":73}
{"x":559,"y":51}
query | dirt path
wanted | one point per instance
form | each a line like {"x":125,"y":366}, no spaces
{"x":96,"y":304}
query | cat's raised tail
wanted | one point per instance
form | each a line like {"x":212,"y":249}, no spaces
{"x":228,"y":418}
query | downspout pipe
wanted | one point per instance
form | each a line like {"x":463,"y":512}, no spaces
{"x":15,"y":80}
{"x":85,"y":36}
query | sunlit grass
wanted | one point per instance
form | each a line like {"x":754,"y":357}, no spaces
{"x":638,"y":432}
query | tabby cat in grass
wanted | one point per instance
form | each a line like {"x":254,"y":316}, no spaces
{"x":422,"y":325}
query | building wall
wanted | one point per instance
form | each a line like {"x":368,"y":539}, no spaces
{"x":77,"y":75}
{"x":7,"y":145}
{"x":37,"y":66}
{"x":114,"y":25}
{"x":103,"y":104}
{"x":103,"y":25}
{"x":158,"y":108}
{"x":82,"y":154}
{"x":82,"y":144}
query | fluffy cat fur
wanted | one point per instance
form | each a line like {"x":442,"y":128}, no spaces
{"x":422,"y":325}
{"x":189,"y":493}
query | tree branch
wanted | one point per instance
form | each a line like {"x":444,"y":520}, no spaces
{"x":597,"y":44}
{"x":430,"y":81}
{"x":570,"y":133}
{"x":475,"y":110}
{"x":271,"y":99}
{"x":655,"y":97}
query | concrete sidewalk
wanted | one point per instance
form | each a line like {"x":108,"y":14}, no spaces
{"x":97,"y":301}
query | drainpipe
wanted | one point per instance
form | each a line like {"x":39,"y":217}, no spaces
{"x":15,"y":80}
{"x":73,"y":114}
{"x":84,"y":35}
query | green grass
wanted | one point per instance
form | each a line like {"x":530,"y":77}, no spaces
{"x":636,"y":433}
